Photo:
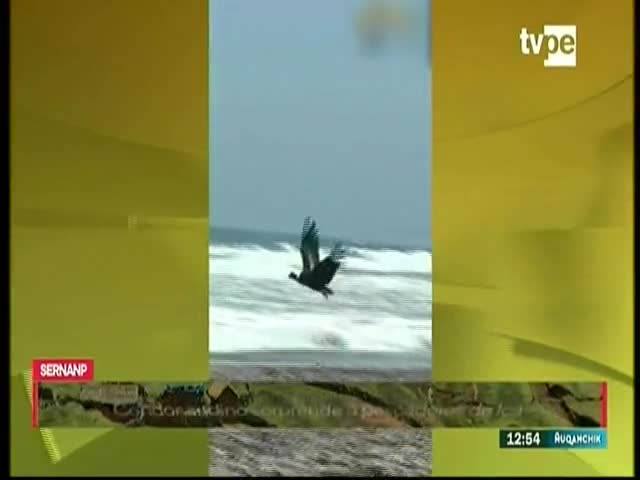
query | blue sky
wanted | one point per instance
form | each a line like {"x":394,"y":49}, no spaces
{"x":305,"y":121}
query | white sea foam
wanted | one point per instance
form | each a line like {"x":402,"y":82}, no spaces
{"x":382,"y":301}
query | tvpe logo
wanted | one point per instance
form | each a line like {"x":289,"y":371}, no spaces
{"x":560,"y":43}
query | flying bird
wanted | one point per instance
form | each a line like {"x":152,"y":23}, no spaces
{"x":317,"y":274}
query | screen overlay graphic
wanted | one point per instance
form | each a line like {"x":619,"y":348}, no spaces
{"x":475,"y":296}
{"x":64,"y":395}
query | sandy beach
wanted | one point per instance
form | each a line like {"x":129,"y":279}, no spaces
{"x":290,"y":374}
{"x":306,"y":452}
{"x":320,"y":366}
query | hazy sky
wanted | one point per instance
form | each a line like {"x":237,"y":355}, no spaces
{"x":305,"y":122}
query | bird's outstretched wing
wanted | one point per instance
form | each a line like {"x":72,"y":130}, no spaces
{"x":309,"y":245}
{"x":327,"y":268}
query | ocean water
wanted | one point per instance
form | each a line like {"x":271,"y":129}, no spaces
{"x":380,"y":312}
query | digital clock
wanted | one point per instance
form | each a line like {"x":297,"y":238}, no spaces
{"x":521,"y":438}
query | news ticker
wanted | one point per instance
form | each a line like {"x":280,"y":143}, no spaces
{"x":61,"y":387}
{"x":565,"y":439}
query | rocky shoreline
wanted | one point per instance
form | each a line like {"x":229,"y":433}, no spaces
{"x":318,"y":452}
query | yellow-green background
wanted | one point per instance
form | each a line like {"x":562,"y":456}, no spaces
{"x":532,"y":219}
{"x":109,"y":117}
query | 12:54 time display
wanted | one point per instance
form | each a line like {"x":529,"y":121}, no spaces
{"x":520,"y":439}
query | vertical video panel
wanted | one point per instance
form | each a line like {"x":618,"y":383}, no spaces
{"x":320,"y":191}
{"x":320,"y":218}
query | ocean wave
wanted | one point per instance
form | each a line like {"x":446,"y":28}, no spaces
{"x":358,"y":259}
{"x":382,"y":301}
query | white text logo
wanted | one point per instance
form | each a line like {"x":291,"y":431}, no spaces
{"x":560,"y":42}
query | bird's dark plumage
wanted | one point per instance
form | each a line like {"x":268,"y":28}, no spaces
{"x":309,"y":245}
{"x":317,"y":274}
